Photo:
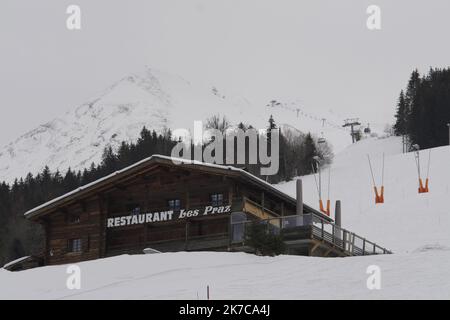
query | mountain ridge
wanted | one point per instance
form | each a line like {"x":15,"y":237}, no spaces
{"x":151,"y":98}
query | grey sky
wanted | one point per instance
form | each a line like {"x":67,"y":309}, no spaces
{"x":317,"y":51}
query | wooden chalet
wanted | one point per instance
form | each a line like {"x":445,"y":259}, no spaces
{"x":170,"y":204}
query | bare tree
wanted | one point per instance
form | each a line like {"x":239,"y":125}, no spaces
{"x":218,"y":123}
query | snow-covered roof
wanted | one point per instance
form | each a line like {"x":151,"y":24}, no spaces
{"x":11,"y":263}
{"x":175,"y":161}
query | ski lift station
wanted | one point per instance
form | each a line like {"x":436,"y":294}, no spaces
{"x":163,"y":204}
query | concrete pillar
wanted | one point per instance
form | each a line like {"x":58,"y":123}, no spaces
{"x":337,"y":214}
{"x":299,"y":197}
{"x":338,"y":222}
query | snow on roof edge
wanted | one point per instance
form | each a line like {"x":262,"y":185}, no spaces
{"x":15,"y":261}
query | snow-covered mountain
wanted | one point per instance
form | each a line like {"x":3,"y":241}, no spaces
{"x":151,"y":98}
{"x":154,"y":99}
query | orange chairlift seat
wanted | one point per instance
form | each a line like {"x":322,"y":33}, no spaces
{"x":318,"y":172}
{"x":423,"y":188}
{"x":379,"y":192}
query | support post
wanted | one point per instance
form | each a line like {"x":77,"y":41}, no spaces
{"x":186,"y":240}
{"x":337,"y":219}
{"x":448,"y":125}
{"x":337,"y":214}
{"x":299,"y":197}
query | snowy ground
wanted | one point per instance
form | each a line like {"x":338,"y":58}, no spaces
{"x":416,"y":227}
{"x":238,"y":276}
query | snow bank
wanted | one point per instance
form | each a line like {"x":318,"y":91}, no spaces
{"x":238,"y":276}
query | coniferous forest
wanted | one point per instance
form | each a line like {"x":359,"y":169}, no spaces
{"x":423,"y":109}
{"x":19,"y":237}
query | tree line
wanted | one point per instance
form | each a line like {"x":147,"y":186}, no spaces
{"x":423,"y":109}
{"x":19,"y":237}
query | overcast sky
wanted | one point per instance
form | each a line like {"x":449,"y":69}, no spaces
{"x":320,"y":52}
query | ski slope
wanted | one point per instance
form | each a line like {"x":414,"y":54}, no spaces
{"x":416,"y":227}
{"x":407,"y":221}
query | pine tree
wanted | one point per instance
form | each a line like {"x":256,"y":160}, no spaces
{"x":401,"y":115}
{"x":309,"y":152}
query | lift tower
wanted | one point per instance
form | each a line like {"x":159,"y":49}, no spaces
{"x":352,"y":123}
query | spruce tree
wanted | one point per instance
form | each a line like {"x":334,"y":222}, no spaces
{"x":401,"y":115}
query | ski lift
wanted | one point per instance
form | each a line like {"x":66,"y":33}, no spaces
{"x":423,"y":188}
{"x":379,"y":196}
{"x":367,"y":129}
{"x":321,"y":139}
{"x":318,"y":182}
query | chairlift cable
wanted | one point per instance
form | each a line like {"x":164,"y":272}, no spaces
{"x":315,"y":179}
{"x":417,"y":157}
{"x":371,"y":171}
{"x":320,"y":180}
{"x":429,"y":161}
{"x":329,"y":181}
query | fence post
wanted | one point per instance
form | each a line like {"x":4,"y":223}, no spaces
{"x":353,"y":242}
{"x":333,"y":233}
{"x":344,"y":236}
{"x":364,"y":246}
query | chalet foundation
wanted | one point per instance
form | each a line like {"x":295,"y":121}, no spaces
{"x":189,"y":206}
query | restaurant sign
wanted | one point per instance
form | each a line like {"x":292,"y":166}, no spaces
{"x":162,"y":216}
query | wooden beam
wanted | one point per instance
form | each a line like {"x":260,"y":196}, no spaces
{"x":262,"y":200}
{"x":230,"y":195}
{"x":102,"y":206}
{"x":315,"y":247}
{"x":187,"y":199}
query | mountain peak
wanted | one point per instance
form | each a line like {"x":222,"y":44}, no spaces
{"x":150,"y":98}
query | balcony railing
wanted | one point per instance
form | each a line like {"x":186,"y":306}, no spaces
{"x":310,"y":226}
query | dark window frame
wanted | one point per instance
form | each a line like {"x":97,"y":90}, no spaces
{"x":75,"y":245}
{"x":174,"y":204}
{"x":73,"y":218}
{"x":217,"y":199}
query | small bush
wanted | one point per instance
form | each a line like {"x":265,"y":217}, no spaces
{"x":264,"y":240}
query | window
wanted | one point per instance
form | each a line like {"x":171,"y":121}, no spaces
{"x":133,"y":208}
{"x":136,"y":211}
{"x":174,"y":204}
{"x":74,"y":245}
{"x":74,"y":218}
{"x":217,"y":199}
